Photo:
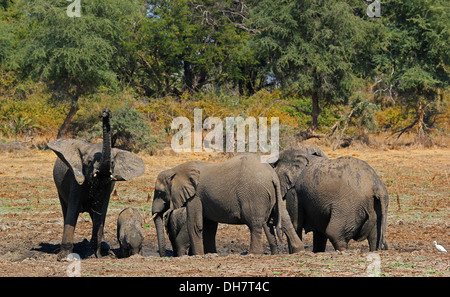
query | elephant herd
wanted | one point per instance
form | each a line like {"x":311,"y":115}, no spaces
{"x":337,"y":199}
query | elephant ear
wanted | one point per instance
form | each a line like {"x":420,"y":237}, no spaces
{"x":314,"y":151}
{"x":184,"y":184}
{"x":289,"y":168}
{"x":69,"y":151}
{"x":126,"y":165}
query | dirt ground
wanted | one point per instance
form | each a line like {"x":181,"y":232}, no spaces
{"x":31,"y":223}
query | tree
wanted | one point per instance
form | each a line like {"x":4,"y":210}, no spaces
{"x":417,"y":58}
{"x":311,"y":48}
{"x":75,"y":56}
{"x":187,"y":44}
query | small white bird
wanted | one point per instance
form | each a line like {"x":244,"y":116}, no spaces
{"x":440,"y":247}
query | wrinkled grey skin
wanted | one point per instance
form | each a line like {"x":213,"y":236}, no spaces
{"x":338,"y":199}
{"x":288,"y":167}
{"x":241,"y":190}
{"x":85,"y":175}
{"x":129,"y":232}
{"x":176,"y":227}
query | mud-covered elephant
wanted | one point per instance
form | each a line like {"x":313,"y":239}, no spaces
{"x":337,"y":199}
{"x":85,"y":175}
{"x":129,"y":232}
{"x":241,"y":190}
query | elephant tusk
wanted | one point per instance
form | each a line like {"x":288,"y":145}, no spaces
{"x":154,"y":216}
{"x":112,"y":177}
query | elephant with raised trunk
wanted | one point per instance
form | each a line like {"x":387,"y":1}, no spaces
{"x":337,"y":199}
{"x":241,"y":190}
{"x":85,"y":175}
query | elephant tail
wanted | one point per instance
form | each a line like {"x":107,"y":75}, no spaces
{"x":381,"y":203}
{"x":278,"y":206}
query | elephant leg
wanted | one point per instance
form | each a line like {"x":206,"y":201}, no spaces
{"x":209,"y":236}
{"x":372,"y":239}
{"x":270,"y":234}
{"x":195,"y":225}
{"x":98,"y":217}
{"x":319,"y":242}
{"x":294,"y":242}
{"x":97,"y":233}
{"x":340,"y":245}
{"x":256,"y":246}
{"x":67,"y":240}
{"x":70,"y":221}
{"x":179,"y":249}
{"x":335,"y":235}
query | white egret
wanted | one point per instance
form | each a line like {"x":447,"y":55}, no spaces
{"x":440,"y":247}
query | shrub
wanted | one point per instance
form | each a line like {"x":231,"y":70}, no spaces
{"x":130,"y":131}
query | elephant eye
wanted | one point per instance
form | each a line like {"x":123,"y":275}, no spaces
{"x":159,"y":193}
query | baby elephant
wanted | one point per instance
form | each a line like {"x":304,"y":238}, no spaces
{"x":177,"y":230}
{"x":129,"y":232}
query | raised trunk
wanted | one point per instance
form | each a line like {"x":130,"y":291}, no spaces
{"x":160,"y":234}
{"x":105,"y":162}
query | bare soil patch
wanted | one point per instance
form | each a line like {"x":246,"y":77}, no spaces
{"x":418,"y":182}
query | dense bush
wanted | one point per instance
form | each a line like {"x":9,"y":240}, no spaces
{"x":130,"y":131}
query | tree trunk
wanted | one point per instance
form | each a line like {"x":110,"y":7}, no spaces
{"x":311,"y":131}
{"x":65,"y":126}
{"x":314,"y":114}
{"x":420,"y":132}
{"x":188,"y":75}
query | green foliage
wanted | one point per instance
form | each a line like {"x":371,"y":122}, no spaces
{"x":18,"y":126}
{"x":310,"y":45}
{"x":186,"y":45}
{"x":294,"y":59}
{"x":76,"y":54}
{"x":26,"y":110}
{"x":130,"y":129}
{"x":415,"y":65}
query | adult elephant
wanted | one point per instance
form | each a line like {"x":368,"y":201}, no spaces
{"x":337,"y":199}
{"x":241,"y":190}
{"x":85,"y":175}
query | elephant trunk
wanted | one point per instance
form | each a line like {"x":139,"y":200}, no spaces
{"x":160,"y":234}
{"x":105,"y":162}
